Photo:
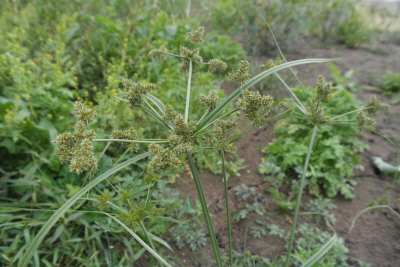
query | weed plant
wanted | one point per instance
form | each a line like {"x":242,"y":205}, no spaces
{"x":182,"y":140}
{"x":390,"y":84}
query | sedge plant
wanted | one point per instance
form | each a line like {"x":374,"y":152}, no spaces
{"x":185,"y":136}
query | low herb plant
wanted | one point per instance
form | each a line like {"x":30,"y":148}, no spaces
{"x":390,"y":84}
{"x":181,"y":140}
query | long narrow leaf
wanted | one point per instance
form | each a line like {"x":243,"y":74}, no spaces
{"x":212,"y":115}
{"x":321,"y":252}
{"x":67,"y":205}
{"x":138,"y":239}
{"x":157,"y":102}
{"x":155,"y":116}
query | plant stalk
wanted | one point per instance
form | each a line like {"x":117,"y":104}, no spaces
{"x":296,"y":212}
{"x":204,"y":207}
{"x":228,"y":212}
{"x":188,"y":91}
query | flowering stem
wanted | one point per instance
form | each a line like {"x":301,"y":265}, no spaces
{"x":228,"y":213}
{"x":133,"y":141}
{"x":188,"y":91}
{"x":296,"y":212}
{"x":204,"y":207}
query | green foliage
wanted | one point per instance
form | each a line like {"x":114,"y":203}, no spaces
{"x":248,"y":259}
{"x":334,"y":155}
{"x":390,"y":84}
{"x":253,"y":201}
{"x":354,"y":31}
{"x":283,"y":203}
{"x":343,"y":81}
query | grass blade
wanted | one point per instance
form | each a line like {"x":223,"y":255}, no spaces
{"x":64,"y":208}
{"x":138,"y":239}
{"x":321,"y":252}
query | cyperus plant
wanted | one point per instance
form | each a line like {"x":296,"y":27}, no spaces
{"x":183,"y":140}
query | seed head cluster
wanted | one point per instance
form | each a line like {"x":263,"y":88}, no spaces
{"x":223,"y":141}
{"x":104,"y":198}
{"x":136,"y":91}
{"x":241,"y":75}
{"x":324,"y":89}
{"x":211,"y":101}
{"x":129,"y":134}
{"x":255,"y":107}
{"x":216,"y":64}
{"x":374,"y":105}
{"x":363,"y":120}
{"x":159,"y":53}
{"x":193,"y":55}
{"x":77,"y":147}
{"x":270,"y":64}
{"x":197,"y":36}
{"x":316,"y":113}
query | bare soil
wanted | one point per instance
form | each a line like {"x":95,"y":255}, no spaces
{"x":376,"y":236}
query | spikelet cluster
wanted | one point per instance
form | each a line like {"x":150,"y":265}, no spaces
{"x":196,"y":37}
{"x":211,"y":101}
{"x":104,"y":198}
{"x":216,"y":64}
{"x":363,"y":120}
{"x":255,"y":107}
{"x":374,"y":105}
{"x":193,"y":55}
{"x":159,"y":53}
{"x":241,"y":75}
{"x":161,"y":160}
{"x":182,"y":132}
{"x":77,"y":147}
{"x":136,"y":92}
{"x":316,"y":113}
{"x":324,"y":89}
{"x":271,"y":63}
{"x":223,"y":141}
{"x":129,"y":134}
{"x":135,"y":216}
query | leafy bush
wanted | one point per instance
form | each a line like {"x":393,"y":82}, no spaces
{"x":334,"y":156}
{"x":354,"y":31}
{"x":390,"y":84}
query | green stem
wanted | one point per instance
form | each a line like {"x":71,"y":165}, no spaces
{"x":228,"y":213}
{"x":204,"y":207}
{"x":188,"y":91}
{"x":132,"y":141}
{"x":296,"y":212}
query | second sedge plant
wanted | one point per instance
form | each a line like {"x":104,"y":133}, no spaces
{"x":183,"y":135}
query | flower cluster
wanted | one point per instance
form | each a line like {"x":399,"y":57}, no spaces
{"x":136,"y":91}
{"x":211,"y":101}
{"x":241,"y":75}
{"x":104,"y":198}
{"x":255,"y":107}
{"x":161,"y":160}
{"x":316,"y":113}
{"x":374,"y":105}
{"x":190,"y":55}
{"x":216,"y":64}
{"x":159,"y":53}
{"x":223,"y":141}
{"x":270,"y":64}
{"x":77,"y":147}
{"x":197,"y":36}
{"x":363,"y":120}
{"x":324,"y":89}
{"x":182,"y":132}
{"x":129,"y":134}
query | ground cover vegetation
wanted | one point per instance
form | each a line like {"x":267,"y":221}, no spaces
{"x":109,"y":208}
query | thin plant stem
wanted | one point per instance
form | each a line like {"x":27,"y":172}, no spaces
{"x":133,"y":141}
{"x":296,"y":211}
{"x":228,"y":213}
{"x":188,"y":91}
{"x":204,"y":207}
